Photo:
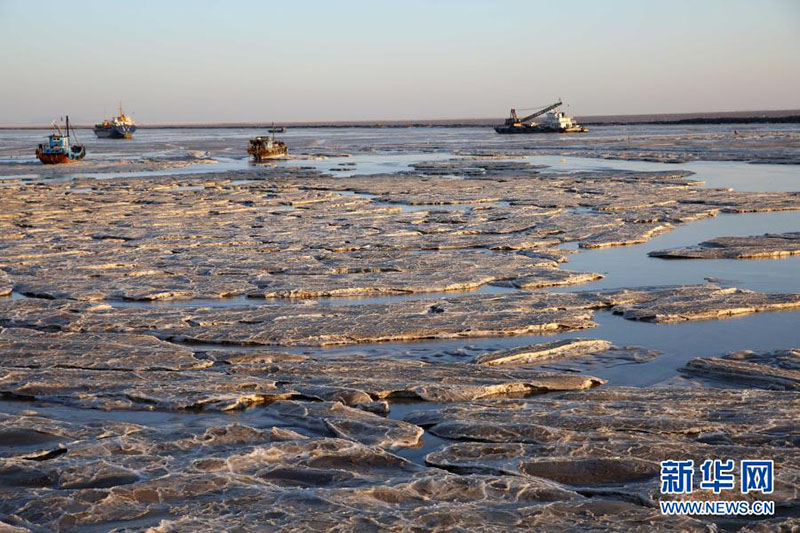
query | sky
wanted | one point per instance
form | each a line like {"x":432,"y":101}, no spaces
{"x":304,"y":60}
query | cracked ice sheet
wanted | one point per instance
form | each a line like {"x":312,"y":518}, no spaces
{"x":611,"y":440}
{"x":34,"y":349}
{"x":768,"y":246}
{"x":778,"y":370}
{"x":234,"y":475}
{"x":203,"y":237}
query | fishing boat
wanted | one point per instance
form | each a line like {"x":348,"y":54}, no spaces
{"x":58,"y":150}
{"x":119,"y":127}
{"x":554,"y":121}
{"x":266,"y":147}
{"x":277,"y":129}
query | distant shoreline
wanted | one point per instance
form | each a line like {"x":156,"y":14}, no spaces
{"x":790,"y":116}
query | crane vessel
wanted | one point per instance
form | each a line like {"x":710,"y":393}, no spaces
{"x":555,"y":121}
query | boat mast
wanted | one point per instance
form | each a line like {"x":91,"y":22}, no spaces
{"x":73,"y":131}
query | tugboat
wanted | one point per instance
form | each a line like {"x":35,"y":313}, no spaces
{"x":266,"y":147}
{"x":119,"y":127}
{"x":554,"y":122}
{"x":57,"y":148}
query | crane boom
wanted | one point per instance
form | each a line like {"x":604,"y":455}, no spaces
{"x":514,"y":119}
{"x":541,"y":112}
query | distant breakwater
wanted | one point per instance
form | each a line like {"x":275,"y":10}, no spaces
{"x":751,"y":117}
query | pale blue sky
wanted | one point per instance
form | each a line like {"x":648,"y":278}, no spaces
{"x":203,"y":61}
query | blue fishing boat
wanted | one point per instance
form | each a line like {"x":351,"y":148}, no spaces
{"x":58,"y":150}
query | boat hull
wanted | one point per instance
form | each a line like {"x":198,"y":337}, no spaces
{"x":76,"y":153}
{"x":114,"y":132}
{"x":52,"y":159}
{"x":537,"y":129}
{"x":264,"y":156}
